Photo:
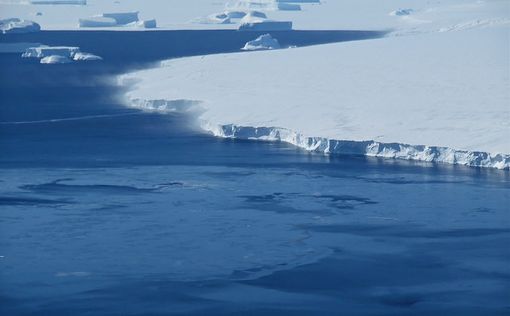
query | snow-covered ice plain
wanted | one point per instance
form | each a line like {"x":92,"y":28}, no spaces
{"x":118,"y":198}
{"x":435,"y":89}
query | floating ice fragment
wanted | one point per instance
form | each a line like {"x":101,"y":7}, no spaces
{"x":262,"y":42}
{"x":79,"y":56}
{"x":148,"y":24}
{"x":16,"y":25}
{"x":45,"y":51}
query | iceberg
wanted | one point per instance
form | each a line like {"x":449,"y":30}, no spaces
{"x":122,"y":18}
{"x":262,"y":42}
{"x":55,"y":59}
{"x":58,"y":54}
{"x":46,"y":51}
{"x":117,"y":19}
{"x":15,"y":25}
{"x":255,"y":22}
{"x":79,"y":56}
{"x":148,"y":24}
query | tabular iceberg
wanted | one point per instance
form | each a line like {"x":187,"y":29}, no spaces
{"x":15,"y":25}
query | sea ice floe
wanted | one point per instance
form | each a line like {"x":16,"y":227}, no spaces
{"x":15,"y":25}
{"x":262,"y":42}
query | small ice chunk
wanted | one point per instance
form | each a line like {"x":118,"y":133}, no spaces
{"x":16,"y":25}
{"x":262,"y":42}
{"x":55,"y":59}
{"x":46,"y":51}
{"x":79,"y":56}
{"x":401,"y":12}
{"x":148,"y":24}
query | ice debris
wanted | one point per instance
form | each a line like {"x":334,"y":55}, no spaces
{"x":263,"y":42}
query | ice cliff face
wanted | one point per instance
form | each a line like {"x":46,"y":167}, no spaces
{"x":367,"y":148}
{"x":330,"y":146}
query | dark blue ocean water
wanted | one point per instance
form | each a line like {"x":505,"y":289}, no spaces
{"x":105,"y":210}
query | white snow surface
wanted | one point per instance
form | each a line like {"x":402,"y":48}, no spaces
{"x":432,"y":92}
{"x":262,"y":42}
